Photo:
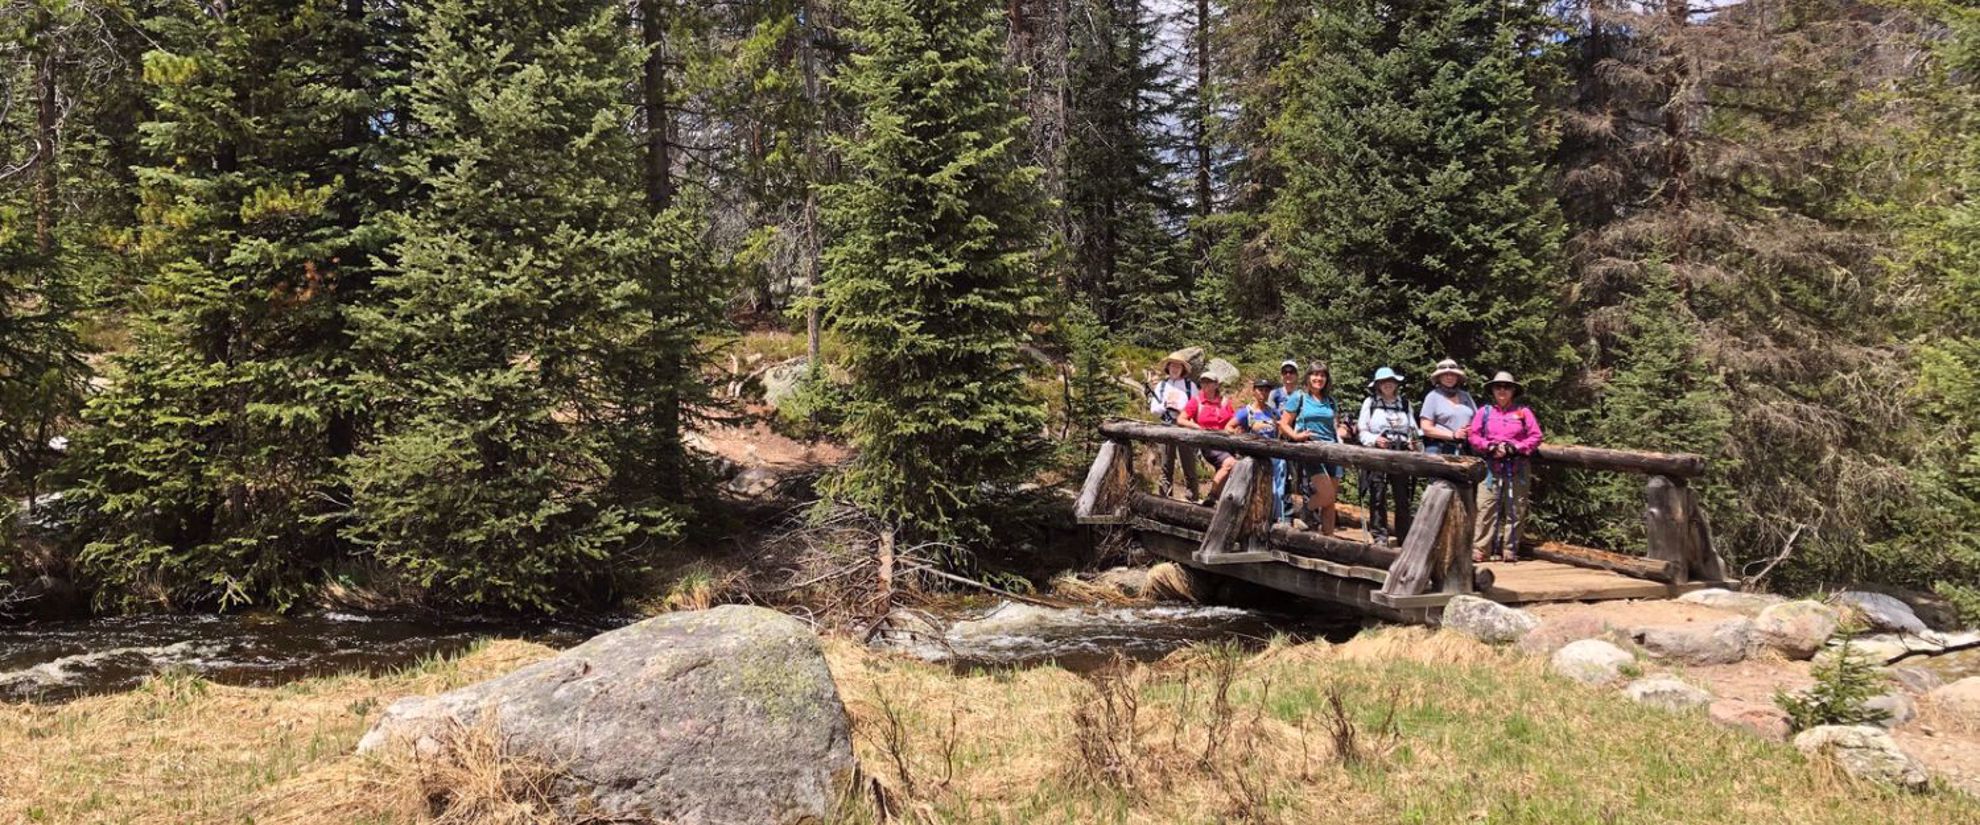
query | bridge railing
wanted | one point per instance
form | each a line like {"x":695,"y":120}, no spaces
{"x":1435,"y":558}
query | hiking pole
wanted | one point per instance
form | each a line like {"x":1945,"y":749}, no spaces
{"x":1499,"y":467}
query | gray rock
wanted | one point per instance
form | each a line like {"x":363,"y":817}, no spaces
{"x":1864,"y":752}
{"x":1958,"y":702}
{"x":753,"y":482}
{"x":1668,"y":693}
{"x":1897,"y":706}
{"x":1796,"y":629}
{"x":1916,"y":680}
{"x":1873,"y":651}
{"x":1880,"y":612}
{"x":717,"y":716}
{"x":1592,"y":662}
{"x":1719,"y":643}
{"x":1748,"y":603}
{"x":1764,"y":721}
{"x":1488,"y":621}
{"x":781,"y":382}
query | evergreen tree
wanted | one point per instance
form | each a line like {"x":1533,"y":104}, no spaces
{"x":210,"y":467}
{"x":931,"y":275}
{"x":1935,"y":538}
{"x":1415,"y":215}
{"x":1737,"y":160}
{"x":1125,"y":263}
{"x":509,"y":467}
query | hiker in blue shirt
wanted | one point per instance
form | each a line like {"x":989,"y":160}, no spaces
{"x":1288,"y":384}
{"x":1259,"y":418}
{"x":1312,"y":414}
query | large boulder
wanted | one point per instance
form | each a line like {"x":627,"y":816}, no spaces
{"x":717,"y":716}
{"x":1732,"y":600}
{"x":1719,"y":643}
{"x":1762,"y":720}
{"x":1796,"y":629}
{"x":1864,"y":752}
{"x":1667,"y":692}
{"x":1593,"y":662}
{"x":1958,"y":703}
{"x":1487,"y":620}
{"x":1880,"y":612}
{"x":1915,"y":680}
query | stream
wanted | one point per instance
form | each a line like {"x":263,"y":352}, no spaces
{"x":59,"y":660}
{"x":53,"y":661}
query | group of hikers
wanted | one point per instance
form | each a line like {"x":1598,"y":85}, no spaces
{"x":1301,"y":407}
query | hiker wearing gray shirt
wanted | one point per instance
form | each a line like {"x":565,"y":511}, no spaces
{"x":1445,"y":415}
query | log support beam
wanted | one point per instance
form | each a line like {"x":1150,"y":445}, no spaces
{"x":1103,"y":499}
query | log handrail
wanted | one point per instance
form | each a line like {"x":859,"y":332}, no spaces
{"x":1675,"y":465}
{"x":1459,"y":469}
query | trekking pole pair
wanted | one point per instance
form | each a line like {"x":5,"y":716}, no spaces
{"x":1505,"y":524}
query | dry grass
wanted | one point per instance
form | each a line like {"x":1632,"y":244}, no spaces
{"x":182,"y":750}
{"x":1398,"y":725}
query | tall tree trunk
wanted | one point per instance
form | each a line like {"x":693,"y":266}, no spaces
{"x":1200,"y":132}
{"x":655,"y":89}
{"x":808,"y":55}
{"x":46,"y":170}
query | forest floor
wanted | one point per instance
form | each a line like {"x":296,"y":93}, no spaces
{"x":1397,"y":725}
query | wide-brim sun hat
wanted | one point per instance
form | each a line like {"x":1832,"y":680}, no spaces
{"x":1187,"y":357}
{"x":1506,"y":379}
{"x":1448,"y":366}
{"x":1384,"y":374}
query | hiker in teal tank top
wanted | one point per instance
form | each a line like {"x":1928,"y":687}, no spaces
{"x":1312,"y":415}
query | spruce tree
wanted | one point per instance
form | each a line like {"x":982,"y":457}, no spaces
{"x":1125,"y":264}
{"x":1415,"y":217}
{"x":209,"y":471}
{"x":513,"y":318}
{"x":1737,"y":160}
{"x":932,"y":278}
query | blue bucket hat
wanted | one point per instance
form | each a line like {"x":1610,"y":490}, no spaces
{"x":1385,"y":374}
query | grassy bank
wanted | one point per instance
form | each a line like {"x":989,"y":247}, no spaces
{"x":1395,"y":726}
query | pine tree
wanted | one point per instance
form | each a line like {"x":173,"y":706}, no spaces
{"x":1415,"y":216}
{"x":507,"y":466}
{"x":931,"y":276}
{"x":1738,"y":160}
{"x":1125,"y":263}
{"x":1935,"y":538}
{"x":210,"y":467}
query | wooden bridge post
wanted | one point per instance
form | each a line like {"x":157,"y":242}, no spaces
{"x":1433,"y":554}
{"x":1243,"y":517}
{"x":1103,"y":499}
{"x":1667,"y":515}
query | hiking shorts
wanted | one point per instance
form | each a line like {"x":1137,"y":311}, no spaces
{"x":1216,"y":458}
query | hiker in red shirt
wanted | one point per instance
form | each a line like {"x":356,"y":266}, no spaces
{"x":1210,"y":410}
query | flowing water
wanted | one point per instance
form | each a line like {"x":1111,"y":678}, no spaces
{"x":59,"y":660}
{"x":1020,"y":635}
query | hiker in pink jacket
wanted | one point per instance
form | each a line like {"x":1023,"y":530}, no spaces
{"x":1504,"y":433}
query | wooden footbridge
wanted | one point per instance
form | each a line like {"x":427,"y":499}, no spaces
{"x":1238,"y":538}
